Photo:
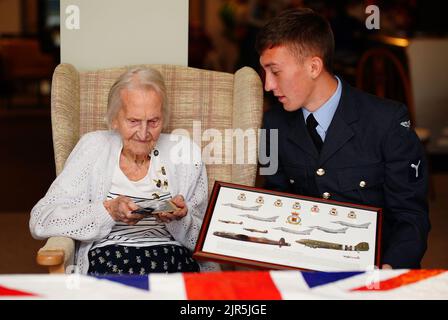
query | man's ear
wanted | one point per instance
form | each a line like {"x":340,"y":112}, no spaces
{"x":316,"y":65}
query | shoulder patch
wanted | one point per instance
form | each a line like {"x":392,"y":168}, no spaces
{"x":406,"y":124}
{"x":415,"y":170}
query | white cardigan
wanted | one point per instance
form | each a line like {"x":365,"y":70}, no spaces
{"x":73,"y":206}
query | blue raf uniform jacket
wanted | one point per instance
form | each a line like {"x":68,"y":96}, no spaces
{"x":371,"y":157}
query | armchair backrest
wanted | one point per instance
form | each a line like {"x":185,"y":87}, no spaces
{"x":198,"y":98}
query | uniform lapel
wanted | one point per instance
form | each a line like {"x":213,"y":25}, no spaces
{"x":298,"y":134}
{"x":340,"y":131}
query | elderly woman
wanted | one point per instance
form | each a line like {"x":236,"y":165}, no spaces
{"x":110,"y":172}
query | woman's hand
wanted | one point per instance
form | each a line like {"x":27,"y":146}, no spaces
{"x":180,"y":212}
{"x":120,"y":210}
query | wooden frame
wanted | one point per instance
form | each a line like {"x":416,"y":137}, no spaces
{"x":273,"y":230}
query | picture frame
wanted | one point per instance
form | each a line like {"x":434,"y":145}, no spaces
{"x":267,"y":229}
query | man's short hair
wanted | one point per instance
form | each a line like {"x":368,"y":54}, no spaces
{"x":303,"y":31}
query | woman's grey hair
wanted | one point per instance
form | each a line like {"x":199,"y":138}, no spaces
{"x":137,"y":78}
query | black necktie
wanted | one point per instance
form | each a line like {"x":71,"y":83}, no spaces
{"x":311,"y":125}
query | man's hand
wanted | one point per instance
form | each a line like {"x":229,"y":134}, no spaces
{"x":180,"y":212}
{"x":386,"y":267}
{"x":120,"y":210}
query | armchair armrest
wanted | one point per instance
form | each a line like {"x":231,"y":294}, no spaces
{"x":56,"y":254}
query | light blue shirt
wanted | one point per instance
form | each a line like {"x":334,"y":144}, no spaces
{"x":325,"y":113}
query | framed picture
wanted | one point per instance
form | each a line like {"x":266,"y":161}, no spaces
{"x":267,"y":229}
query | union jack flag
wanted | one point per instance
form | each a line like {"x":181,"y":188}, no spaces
{"x":236,"y":285}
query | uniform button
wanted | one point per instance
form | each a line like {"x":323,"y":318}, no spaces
{"x":320,"y":172}
{"x":326,"y":195}
{"x":291,"y":181}
{"x":362,"y":184}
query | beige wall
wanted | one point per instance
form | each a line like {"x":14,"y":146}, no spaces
{"x":10,"y":21}
{"x":116,"y":32}
{"x":429,"y":79}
